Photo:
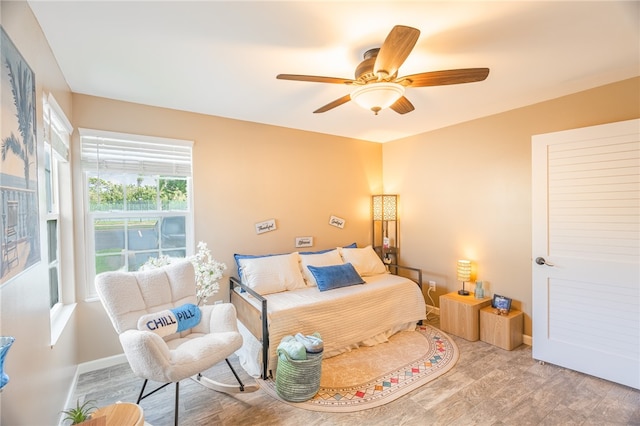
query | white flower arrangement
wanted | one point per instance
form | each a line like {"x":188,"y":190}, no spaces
{"x":208,"y":270}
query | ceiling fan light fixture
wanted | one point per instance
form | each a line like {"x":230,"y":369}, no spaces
{"x":377,"y":96}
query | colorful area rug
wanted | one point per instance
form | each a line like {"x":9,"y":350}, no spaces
{"x":368,"y":377}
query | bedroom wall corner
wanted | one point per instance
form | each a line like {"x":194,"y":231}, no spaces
{"x":245,"y":173}
{"x":466,"y":189}
{"x":40,"y":374}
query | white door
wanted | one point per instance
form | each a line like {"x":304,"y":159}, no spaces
{"x":586,"y":250}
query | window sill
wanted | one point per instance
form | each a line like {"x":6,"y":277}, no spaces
{"x":59,"y":321}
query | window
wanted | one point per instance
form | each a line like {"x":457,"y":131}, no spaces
{"x":138,"y":200}
{"x":56,"y":155}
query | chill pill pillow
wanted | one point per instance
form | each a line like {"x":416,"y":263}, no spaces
{"x":170,"y":321}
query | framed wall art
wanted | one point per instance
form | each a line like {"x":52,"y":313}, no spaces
{"x":501,"y":304}
{"x":19,"y":220}
{"x":265,"y":226}
{"x":336,"y":221}
{"x":304,"y":241}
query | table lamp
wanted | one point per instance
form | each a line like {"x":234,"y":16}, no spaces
{"x":464,"y":274}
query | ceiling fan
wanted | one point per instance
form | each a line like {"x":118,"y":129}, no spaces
{"x":377,"y":85}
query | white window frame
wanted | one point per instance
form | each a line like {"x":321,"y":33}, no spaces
{"x":53,"y":214}
{"x":57,"y":134}
{"x":127,"y":163}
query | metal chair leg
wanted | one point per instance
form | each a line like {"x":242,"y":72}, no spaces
{"x":198,"y":378}
{"x":143,"y":396}
{"x":236,"y":375}
{"x":144,"y":385}
{"x":175,"y":414}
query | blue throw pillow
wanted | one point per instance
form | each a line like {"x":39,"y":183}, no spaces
{"x":335,"y":276}
{"x":238,"y":257}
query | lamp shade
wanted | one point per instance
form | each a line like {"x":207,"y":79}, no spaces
{"x":377,"y":96}
{"x":464,"y":270}
{"x":385,"y":207}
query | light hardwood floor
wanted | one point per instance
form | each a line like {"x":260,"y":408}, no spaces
{"x":488,"y":386}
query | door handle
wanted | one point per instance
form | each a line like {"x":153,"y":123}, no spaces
{"x":541,"y":261}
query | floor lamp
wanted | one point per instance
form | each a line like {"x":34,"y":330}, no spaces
{"x":384,"y":212}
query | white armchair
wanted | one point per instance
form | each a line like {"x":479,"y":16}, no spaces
{"x":127,"y":296}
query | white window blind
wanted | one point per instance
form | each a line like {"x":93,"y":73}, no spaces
{"x":105,"y":151}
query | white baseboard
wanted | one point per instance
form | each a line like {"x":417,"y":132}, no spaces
{"x":433,"y":310}
{"x":101,"y":363}
{"x":85,"y":368}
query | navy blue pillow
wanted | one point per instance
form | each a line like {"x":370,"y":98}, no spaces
{"x":335,"y":276}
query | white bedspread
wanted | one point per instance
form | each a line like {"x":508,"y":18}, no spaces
{"x":345,"y":317}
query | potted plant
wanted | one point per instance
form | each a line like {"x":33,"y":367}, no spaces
{"x":81,"y":413}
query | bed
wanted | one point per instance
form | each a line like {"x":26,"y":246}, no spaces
{"x":281,"y":295}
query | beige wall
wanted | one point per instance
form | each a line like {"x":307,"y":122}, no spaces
{"x":465,"y":190}
{"x":244,"y":173}
{"x":40,"y":375}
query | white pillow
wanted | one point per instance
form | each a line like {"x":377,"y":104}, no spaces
{"x":365,"y":260}
{"x":320,"y":259}
{"x":272,"y":274}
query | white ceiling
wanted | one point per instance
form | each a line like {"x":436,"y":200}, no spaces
{"x":221,"y":58}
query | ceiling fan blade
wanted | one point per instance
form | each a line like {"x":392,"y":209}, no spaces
{"x":395,"y":49}
{"x":331,"y":105}
{"x":402,"y":106}
{"x":441,"y":78}
{"x":314,"y":78}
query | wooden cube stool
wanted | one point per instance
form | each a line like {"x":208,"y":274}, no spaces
{"x":503,"y":331}
{"x":459,"y":315}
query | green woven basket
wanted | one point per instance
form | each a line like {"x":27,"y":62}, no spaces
{"x":298,"y":380}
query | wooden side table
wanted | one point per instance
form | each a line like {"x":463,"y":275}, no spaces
{"x":503,"y":331}
{"x":119,"y":414}
{"x":459,"y":315}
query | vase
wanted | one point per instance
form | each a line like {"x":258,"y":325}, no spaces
{"x":5,"y":344}
{"x":479,"y":291}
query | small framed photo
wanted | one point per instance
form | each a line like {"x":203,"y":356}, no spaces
{"x":304,"y":241}
{"x":501,"y":304}
{"x":336,"y":221}
{"x":266,"y":226}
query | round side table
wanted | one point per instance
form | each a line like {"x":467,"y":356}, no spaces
{"x":121,"y":414}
